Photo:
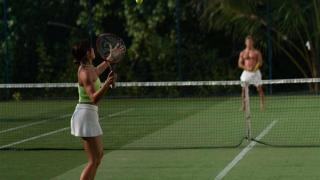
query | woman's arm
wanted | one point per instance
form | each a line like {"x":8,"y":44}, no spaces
{"x":102,"y":67}
{"x":95,"y":96}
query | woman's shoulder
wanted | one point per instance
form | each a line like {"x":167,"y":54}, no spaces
{"x":87,"y":70}
{"x":87,"y":74}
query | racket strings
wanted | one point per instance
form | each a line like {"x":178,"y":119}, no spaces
{"x":111,"y":46}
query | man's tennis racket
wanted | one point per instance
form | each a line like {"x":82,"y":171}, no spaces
{"x":111,"y":48}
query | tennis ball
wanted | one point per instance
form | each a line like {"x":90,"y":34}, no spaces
{"x":139,"y":1}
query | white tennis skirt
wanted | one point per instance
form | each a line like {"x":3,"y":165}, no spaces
{"x":85,"y":121}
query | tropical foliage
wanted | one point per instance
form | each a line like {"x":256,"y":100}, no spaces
{"x":294,"y":26}
{"x":41,"y":34}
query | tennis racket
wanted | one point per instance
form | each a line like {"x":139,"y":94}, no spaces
{"x":111,"y":48}
{"x":257,"y":67}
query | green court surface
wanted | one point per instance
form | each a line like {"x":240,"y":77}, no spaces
{"x":260,"y":163}
{"x":185,"y":138}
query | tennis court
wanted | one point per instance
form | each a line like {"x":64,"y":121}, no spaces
{"x":166,"y":138}
{"x":179,"y":111}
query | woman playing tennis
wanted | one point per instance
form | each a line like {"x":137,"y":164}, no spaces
{"x":85,"y":119}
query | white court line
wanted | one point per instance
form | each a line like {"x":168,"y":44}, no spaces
{"x":56,"y":131}
{"x":35,"y":137}
{"x":34,"y":123}
{"x":59,"y":117}
{"x":225,"y":171}
{"x":121,"y":112}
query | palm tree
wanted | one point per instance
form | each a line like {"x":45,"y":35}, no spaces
{"x":293,"y":23}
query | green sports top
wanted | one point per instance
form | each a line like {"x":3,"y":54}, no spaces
{"x":83,"y":96}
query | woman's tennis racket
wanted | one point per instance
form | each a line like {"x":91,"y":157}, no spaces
{"x":111,"y":48}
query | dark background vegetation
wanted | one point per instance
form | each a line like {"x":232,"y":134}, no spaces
{"x":41,"y":33}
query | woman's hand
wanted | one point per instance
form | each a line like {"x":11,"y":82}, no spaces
{"x":112,"y":78}
{"x":115,"y":53}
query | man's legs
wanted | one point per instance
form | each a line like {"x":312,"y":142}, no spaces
{"x":243,"y":105}
{"x":261,"y":95}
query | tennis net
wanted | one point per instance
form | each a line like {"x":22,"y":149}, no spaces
{"x":164,"y":115}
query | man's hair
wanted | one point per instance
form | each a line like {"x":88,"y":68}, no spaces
{"x":249,"y":37}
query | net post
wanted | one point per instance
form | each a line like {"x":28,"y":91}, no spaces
{"x":247,"y":111}
{"x":269,"y":43}
{"x":178,"y":38}
{"x":90,"y":22}
{"x":6,"y":50}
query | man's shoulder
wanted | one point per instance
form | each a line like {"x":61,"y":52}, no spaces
{"x":242,"y":52}
{"x":257,"y":51}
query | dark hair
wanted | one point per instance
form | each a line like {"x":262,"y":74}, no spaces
{"x":249,"y":37}
{"x":79,"y":52}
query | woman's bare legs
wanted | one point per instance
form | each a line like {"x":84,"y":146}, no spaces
{"x":94,"y":150}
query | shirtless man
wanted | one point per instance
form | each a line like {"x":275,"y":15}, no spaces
{"x":250,"y":60}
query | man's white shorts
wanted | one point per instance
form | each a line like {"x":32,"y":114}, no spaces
{"x":254,"y":78}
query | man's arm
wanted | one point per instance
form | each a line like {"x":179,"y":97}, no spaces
{"x":260,"y":60}
{"x":241,"y":62}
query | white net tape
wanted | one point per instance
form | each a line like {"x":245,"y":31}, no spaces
{"x":164,"y":84}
